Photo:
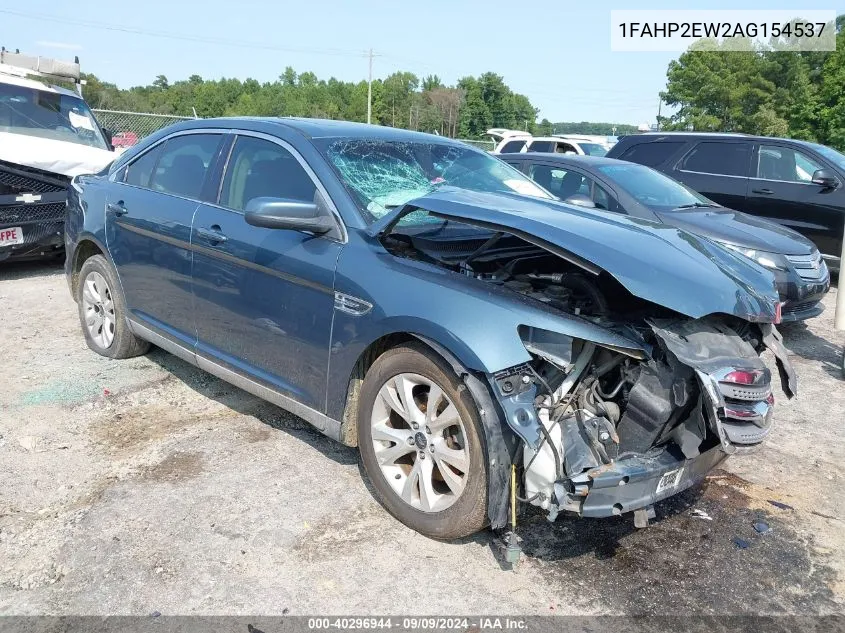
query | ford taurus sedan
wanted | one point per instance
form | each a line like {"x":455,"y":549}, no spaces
{"x":478,"y":341}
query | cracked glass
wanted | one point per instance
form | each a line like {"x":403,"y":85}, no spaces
{"x":384,"y":175}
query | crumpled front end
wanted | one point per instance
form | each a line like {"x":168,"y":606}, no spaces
{"x":609,"y":430}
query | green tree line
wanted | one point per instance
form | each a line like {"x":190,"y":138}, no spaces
{"x":766,"y":89}
{"x":402,"y":100}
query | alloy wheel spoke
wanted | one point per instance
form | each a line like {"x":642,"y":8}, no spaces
{"x":89,"y":292}
{"x":428,"y":496}
{"x":448,"y":417}
{"x":388,"y":456}
{"x":385,"y":433}
{"x":435,"y":395}
{"x":452,"y":479}
{"x":91,"y":317}
{"x":411,"y":484}
{"x":391,"y":398}
{"x":454,"y":457}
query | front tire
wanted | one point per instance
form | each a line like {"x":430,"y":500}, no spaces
{"x":102,"y":312}
{"x":420,"y":438}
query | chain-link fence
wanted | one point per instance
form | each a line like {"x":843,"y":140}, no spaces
{"x":130,"y":127}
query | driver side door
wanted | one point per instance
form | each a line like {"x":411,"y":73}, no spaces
{"x":264,"y":298}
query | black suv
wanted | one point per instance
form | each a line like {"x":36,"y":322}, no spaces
{"x":796,"y":183}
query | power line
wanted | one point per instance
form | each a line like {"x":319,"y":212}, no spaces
{"x":178,"y":36}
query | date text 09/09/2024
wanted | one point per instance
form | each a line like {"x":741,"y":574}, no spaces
{"x":418,"y":623}
{"x":696,"y":30}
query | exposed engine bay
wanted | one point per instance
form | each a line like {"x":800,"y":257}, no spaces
{"x":611,"y":428}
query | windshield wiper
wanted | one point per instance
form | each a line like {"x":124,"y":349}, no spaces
{"x":697,"y":205}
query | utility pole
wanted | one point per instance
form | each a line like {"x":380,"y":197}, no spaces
{"x":370,"y":90}
{"x":659,"y":106}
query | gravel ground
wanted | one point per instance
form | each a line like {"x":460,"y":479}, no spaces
{"x":130,"y":487}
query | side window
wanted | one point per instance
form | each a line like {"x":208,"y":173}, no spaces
{"x":565,"y":148}
{"x":775,"y":162}
{"x":541,"y":146}
{"x":140,"y":171}
{"x":183,"y":164}
{"x":259,"y":168}
{"x":603,"y":199}
{"x":562,"y":183}
{"x":651,"y":154}
{"x":512,"y":146}
{"x":714,"y":157}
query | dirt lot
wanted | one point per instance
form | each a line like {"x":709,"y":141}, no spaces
{"x":130,"y":487}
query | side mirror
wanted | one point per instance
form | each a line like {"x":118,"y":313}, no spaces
{"x":580,"y":200}
{"x":109,"y":135}
{"x":825,"y":178}
{"x":278,"y":213}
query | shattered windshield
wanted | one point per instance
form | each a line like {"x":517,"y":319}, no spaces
{"x":49,"y":115}
{"x":384,"y":175}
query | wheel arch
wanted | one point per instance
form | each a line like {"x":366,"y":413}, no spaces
{"x":500,"y":443}
{"x":86,"y":247}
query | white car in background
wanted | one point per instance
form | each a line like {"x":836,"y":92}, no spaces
{"x":509,"y":141}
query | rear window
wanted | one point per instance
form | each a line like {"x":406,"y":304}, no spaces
{"x":713,"y":157}
{"x":650,"y":154}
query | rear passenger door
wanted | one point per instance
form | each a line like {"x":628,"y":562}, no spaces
{"x":781,"y":189}
{"x":264,"y":298}
{"x":150,"y":206}
{"x":718,"y":169}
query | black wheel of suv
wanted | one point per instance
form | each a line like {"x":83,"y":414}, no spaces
{"x":420,"y":440}
{"x":102,"y":312}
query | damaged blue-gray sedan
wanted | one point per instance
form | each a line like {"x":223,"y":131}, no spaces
{"x":478,"y":341}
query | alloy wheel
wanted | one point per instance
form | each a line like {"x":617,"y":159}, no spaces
{"x":98,"y":309}
{"x":419,"y":441}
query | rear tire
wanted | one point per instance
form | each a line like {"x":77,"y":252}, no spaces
{"x":102,"y":312}
{"x":428,"y":468}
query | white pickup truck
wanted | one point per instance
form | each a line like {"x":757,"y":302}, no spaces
{"x":48,"y":134}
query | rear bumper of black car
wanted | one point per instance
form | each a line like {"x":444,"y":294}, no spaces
{"x":33,"y":204}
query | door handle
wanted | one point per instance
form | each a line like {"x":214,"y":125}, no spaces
{"x":212,"y":234}
{"x":117,"y":208}
{"x":765,"y":192}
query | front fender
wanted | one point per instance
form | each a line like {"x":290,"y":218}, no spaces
{"x":479,"y":323}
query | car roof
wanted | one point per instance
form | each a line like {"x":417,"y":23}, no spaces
{"x":26,"y":82}
{"x":323,"y":128}
{"x":739,"y":136}
{"x":552,"y":138}
{"x":564,"y":159}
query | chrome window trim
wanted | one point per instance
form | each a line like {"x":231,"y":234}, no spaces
{"x":707,"y":173}
{"x":113,"y":176}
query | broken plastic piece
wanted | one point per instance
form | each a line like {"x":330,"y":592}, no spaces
{"x":701,"y":514}
{"x":642,"y":516}
{"x":782,"y":506}
{"x":761,"y":527}
{"x":741,"y":543}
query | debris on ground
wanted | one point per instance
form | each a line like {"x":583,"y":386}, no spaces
{"x":781,"y":505}
{"x":761,"y":527}
{"x":741,"y":543}
{"x":701,"y":514}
